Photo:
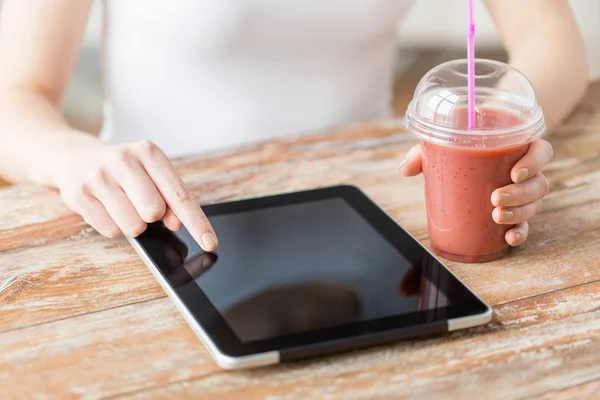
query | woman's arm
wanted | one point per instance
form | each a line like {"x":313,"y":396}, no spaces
{"x":39,"y":44}
{"x":114,"y":188}
{"x":543,"y":41}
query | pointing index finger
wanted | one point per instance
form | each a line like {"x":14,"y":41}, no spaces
{"x":178,"y":196}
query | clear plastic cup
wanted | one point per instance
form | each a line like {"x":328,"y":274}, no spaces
{"x":462,"y":167}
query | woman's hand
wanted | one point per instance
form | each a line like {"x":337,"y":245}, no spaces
{"x":124,"y":187}
{"x":516,"y":203}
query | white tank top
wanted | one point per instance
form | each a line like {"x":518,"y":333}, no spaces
{"x":196,"y":76}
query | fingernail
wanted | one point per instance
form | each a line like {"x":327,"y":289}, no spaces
{"x":402,"y":164}
{"x":209,"y":241}
{"x":522,"y":174}
{"x":503,"y":199}
{"x":518,"y":236}
{"x":506,"y":215}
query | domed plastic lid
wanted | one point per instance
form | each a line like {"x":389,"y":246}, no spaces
{"x":507,"y":111}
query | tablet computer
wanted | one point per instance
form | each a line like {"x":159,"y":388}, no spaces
{"x":305,"y":274}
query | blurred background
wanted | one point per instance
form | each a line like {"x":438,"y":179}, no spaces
{"x":424,"y":39}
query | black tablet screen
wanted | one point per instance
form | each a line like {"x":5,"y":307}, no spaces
{"x":303,"y":267}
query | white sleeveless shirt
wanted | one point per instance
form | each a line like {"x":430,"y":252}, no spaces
{"x":196,"y":76}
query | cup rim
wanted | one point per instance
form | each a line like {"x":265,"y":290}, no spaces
{"x":426,"y":130}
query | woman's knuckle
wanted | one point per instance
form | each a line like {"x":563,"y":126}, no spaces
{"x":539,"y":207}
{"x":124,"y":156}
{"x":148,"y":147}
{"x":515,"y":192}
{"x":114,"y":233}
{"x":98,"y":177}
{"x":548,"y":148}
{"x":181,"y":192}
{"x":546,"y":183}
{"x":202,"y":220}
{"x":73,"y":193}
{"x":517,"y":214}
{"x":136,"y":229}
{"x":154,"y":212}
{"x":111,"y":232}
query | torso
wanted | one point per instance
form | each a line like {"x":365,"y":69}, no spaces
{"x":199,"y":76}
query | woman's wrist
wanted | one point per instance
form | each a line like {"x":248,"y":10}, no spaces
{"x":54,"y":154}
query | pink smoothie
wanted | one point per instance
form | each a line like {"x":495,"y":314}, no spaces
{"x":458,"y":187}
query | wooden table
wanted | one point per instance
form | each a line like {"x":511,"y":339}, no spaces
{"x":82,"y":317}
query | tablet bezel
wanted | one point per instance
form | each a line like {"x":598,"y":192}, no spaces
{"x":465,"y":305}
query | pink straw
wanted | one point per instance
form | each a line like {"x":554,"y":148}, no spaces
{"x":471,"y":66}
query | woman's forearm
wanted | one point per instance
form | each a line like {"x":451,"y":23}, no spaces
{"x":39,"y":44}
{"x":544,"y":42}
{"x":557,"y":68}
{"x":33,"y":133}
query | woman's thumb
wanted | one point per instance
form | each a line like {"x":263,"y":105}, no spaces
{"x":411,"y":165}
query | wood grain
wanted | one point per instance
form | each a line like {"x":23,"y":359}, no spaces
{"x":587,"y":391}
{"x":81,"y":317}
{"x":526,"y":341}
